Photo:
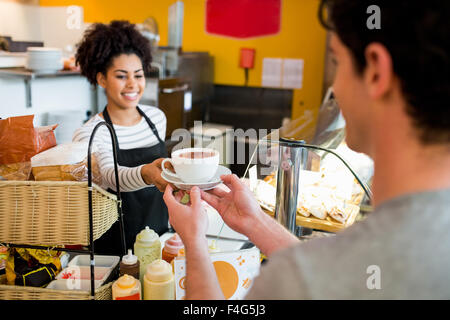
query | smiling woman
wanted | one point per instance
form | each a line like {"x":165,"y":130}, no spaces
{"x":124,"y":83}
{"x":117,"y":57}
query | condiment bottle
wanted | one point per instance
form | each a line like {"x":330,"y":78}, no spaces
{"x":147,"y":248}
{"x":181,"y":253}
{"x":213,"y":247}
{"x":171,"y":248}
{"x":129,"y":265}
{"x":159,"y":283}
{"x":126,"y":288}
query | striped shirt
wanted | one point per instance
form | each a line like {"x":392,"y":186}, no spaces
{"x":129,"y":137}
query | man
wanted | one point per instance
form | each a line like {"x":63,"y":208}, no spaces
{"x":393,"y":88}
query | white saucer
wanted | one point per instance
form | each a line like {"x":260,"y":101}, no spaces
{"x":204,"y":185}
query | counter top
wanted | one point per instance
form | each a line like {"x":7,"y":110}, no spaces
{"x":21,"y":72}
{"x":225,"y":245}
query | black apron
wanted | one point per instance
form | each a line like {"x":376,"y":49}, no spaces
{"x":141,"y":208}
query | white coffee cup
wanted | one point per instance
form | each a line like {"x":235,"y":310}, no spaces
{"x":193,"y":165}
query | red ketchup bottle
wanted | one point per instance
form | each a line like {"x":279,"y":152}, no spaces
{"x":171,"y":248}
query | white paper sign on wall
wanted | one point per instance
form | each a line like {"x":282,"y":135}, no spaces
{"x":292,"y":73}
{"x":282,"y":73}
{"x":272,"y":72}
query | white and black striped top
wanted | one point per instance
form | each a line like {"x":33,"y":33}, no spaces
{"x":137,"y":136}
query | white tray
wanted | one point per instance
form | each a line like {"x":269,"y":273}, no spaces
{"x":100,"y":261}
{"x":72,"y":284}
{"x":84,"y":273}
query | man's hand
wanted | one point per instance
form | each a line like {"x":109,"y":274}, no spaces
{"x":151,"y":173}
{"x":238,"y":208}
{"x":241,"y":212}
{"x":189,"y":221}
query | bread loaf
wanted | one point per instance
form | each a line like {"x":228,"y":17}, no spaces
{"x":15,"y":171}
{"x":66,"y":172}
{"x":67,"y":162}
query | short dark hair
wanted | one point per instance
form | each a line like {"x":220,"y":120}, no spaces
{"x":417,"y":36}
{"x":101,"y":43}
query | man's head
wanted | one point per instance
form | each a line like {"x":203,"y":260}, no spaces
{"x":405,"y":62}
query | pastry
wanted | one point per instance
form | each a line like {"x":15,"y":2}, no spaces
{"x":338,"y":215}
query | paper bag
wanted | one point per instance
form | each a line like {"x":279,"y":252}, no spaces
{"x":20,"y":140}
{"x":235,"y":271}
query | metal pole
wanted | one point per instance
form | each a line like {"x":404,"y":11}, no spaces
{"x":119,"y":201}
{"x":292,"y":157}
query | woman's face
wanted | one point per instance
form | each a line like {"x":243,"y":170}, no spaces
{"x":124,"y":82}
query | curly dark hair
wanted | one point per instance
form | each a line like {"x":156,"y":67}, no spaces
{"x":417,"y":36}
{"x":101,"y":43}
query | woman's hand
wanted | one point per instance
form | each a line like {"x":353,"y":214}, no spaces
{"x":151,"y":173}
{"x":238,"y":208}
{"x":189,"y":221}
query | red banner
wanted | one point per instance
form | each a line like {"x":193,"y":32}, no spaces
{"x":243,"y":18}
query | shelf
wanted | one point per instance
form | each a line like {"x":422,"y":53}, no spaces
{"x":28,"y":76}
{"x":21,"y":72}
{"x":48,"y":203}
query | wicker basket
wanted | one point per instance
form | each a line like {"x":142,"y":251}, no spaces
{"x":53,"y":213}
{"x":9,"y":292}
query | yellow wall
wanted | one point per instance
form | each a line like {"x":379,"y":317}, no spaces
{"x":301,"y":37}
{"x":33,"y":2}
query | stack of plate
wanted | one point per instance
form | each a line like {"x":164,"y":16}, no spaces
{"x":44,"y":60}
{"x":12,"y":59}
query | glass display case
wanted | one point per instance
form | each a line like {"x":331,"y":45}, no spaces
{"x":310,"y":179}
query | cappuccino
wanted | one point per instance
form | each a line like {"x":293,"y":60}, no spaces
{"x":196,"y":155}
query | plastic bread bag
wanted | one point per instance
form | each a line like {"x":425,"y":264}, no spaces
{"x":20,"y":140}
{"x":66,"y":162}
{"x":15,"y":171}
{"x":32,"y":267}
{"x":3,"y":256}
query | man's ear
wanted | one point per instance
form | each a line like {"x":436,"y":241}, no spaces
{"x":101,"y":80}
{"x":379,"y":73}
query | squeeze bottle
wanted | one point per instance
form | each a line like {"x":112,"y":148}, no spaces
{"x":171,"y":248}
{"x":126,"y":288}
{"x":147,"y":248}
{"x":129,"y":265}
{"x":159,"y":283}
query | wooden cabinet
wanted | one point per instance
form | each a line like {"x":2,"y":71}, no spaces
{"x":171,"y":100}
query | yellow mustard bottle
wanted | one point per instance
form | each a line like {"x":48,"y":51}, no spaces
{"x":159,"y":283}
{"x":213,"y":247}
{"x":147,"y":248}
{"x":126,"y":288}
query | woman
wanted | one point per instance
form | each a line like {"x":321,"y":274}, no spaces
{"x":117,"y":57}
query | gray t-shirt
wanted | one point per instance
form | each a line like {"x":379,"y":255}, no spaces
{"x":401,"y":251}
